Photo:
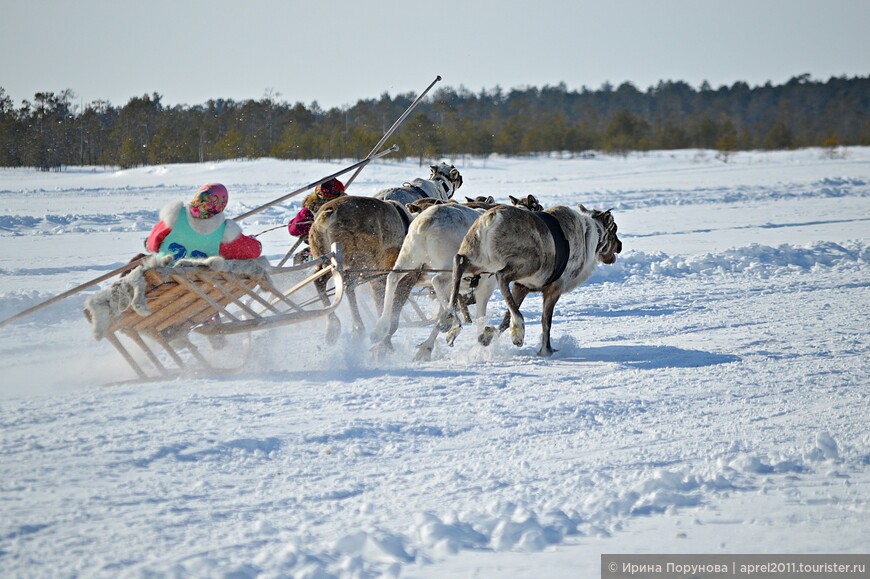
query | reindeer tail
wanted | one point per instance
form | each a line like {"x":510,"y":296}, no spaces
{"x":460,"y":263}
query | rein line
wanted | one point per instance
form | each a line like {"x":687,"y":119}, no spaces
{"x":268,"y":230}
{"x":373,"y":273}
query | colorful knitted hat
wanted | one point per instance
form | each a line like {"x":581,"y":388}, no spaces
{"x":210,"y":200}
{"x":330,"y":190}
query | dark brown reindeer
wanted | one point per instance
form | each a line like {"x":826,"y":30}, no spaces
{"x":421,"y":205}
{"x":552,"y":251}
{"x":370,"y":232}
{"x":529,"y":202}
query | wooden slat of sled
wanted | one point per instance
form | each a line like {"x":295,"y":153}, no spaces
{"x":296,"y":316}
{"x":234,"y":288}
{"x":172,"y":301}
{"x":205,"y":289}
{"x":203,"y":301}
{"x":168,"y":303}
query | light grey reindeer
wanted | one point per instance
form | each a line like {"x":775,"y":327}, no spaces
{"x":552,"y":251}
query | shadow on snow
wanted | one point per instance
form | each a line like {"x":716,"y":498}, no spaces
{"x":651,"y":357}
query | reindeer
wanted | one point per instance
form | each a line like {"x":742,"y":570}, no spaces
{"x":443,"y":181}
{"x":370,"y":232}
{"x":553,"y":252}
{"x":421,"y":205}
{"x":433,"y":239}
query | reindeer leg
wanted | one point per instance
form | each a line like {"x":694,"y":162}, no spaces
{"x":358,"y":326}
{"x":441,"y":283}
{"x":463,"y":305}
{"x":397,"y":293}
{"x":482,"y":293}
{"x":320,"y":285}
{"x":518,"y":325}
{"x":551,"y":296}
{"x":424,"y":349}
{"x":379,"y":285}
{"x":333,"y":327}
{"x":460,"y":263}
{"x":444,"y":320}
{"x":519,"y":293}
{"x":381,"y":336}
{"x":403,"y":292}
{"x":382,"y":327}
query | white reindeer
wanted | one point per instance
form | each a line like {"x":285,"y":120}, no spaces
{"x":432,"y":241}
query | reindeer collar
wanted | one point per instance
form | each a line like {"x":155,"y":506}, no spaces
{"x":446,"y":186}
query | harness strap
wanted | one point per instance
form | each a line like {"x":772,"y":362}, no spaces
{"x":417,"y":189}
{"x":560,"y":241}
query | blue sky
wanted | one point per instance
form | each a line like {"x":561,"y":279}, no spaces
{"x":336,"y":52}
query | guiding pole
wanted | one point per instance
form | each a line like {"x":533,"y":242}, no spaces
{"x":358,"y":165}
{"x":395,"y":126}
{"x":132,"y":265}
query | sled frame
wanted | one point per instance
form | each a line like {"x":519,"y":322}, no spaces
{"x":196,"y":298}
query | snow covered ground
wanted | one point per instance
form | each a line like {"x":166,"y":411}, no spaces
{"x":709,"y":395}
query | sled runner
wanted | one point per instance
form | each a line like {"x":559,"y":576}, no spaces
{"x":157,"y":309}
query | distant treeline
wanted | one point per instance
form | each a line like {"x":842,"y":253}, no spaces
{"x":53,"y":130}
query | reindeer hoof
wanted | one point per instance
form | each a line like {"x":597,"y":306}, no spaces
{"x":424,"y":353}
{"x":446,"y":322}
{"x":518,"y":335}
{"x":358,"y":333}
{"x":546,"y":352}
{"x":381,"y":349}
{"x":452,"y":333}
{"x":485,"y":337}
{"x":378,"y":335}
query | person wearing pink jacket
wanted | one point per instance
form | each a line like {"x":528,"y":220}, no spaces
{"x":300,"y":225}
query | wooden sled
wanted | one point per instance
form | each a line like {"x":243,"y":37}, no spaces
{"x":156,"y":308}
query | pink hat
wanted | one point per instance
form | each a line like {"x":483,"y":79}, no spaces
{"x":330,"y":190}
{"x":210,"y":200}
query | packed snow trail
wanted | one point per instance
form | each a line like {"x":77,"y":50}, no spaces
{"x":709,"y":392}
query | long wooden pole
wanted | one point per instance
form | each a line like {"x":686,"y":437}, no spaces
{"x":358,"y":165}
{"x":289,"y":253}
{"x":395,"y":126}
{"x":374,"y":152}
{"x":133,"y":264}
